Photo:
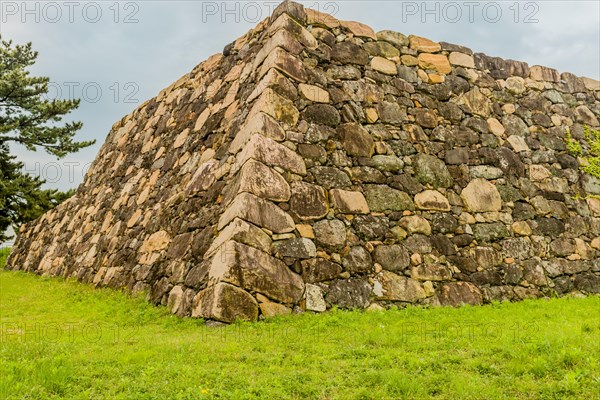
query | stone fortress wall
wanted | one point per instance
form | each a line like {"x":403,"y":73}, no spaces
{"x":316,"y":163}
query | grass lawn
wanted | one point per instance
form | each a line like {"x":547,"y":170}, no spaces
{"x":62,"y":339}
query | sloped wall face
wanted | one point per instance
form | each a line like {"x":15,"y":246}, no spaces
{"x":318,"y":163}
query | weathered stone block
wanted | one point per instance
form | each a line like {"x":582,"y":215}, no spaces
{"x":393,"y":257}
{"x":256,"y":178}
{"x":432,"y":200}
{"x":297,"y":248}
{"x":314,"y":93}
{"x":461,"y":60}
{"x":383,"y":65}
{"x":314,"y":298}
{"x":358,"y":260}
{"x":330,"y":233}
{"x":270,"y":309}
{"x":348,"y":52}
{"x":396,"y":38}
{"x":317,"y":18}
{"x":275,"y":81}
{"x":349,"y":202}
{"x":459,"y":293}
{"x":422,"y":44}
{"x":243,"y":232}
{"x":356,"y":140}
{"x":285,"y":63}
{"x":156,"y":242}
{"x":481,"y":196}
{"x":390,"y":286}
{"x":322,"y":114}
{"x":382,"y":49}
{"x":319,"y":270}
{"x":276,"y":106}
{"x":489,"y":232}
{"x":260,"y":123}
{"x":260,"y":212}
{"x":281,"y":39}
{"x":225,"y":303}
{"x":435,"y":62}
{"x":205,"y":176}
{"x":359,"y":29}
{"x":349,"y":293}
{"x":431,"y":170}
{"x":308,"y":202}
{"x":257,"y":271}
{"x":271,"y":153}
{"x":539,"y":73}
{"x":431,"y":272}
{"x":382,"y":198}
{"x":415,"y":224}
{"x":475,"y":102}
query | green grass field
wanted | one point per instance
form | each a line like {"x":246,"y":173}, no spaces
{"x":65,"y":340}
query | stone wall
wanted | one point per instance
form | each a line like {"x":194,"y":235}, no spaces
{"x":316,"y":163}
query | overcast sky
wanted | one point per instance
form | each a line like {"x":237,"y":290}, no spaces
{"x":115,"y":55}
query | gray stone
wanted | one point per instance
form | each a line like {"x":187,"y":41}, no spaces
{"x":431,"y":272}
{"x":322,"y":114}
{"x":486,"y":257}
{"x":256,"y":178}
{"x":549,"y":226}
{"x":443,"y":223}
{"x":329,"y":177}
{"x":314,"y":298}
{"x":226,"y":303}
{"x":398,"y":288}
{"x":349,"y":293}
{"x":486,"y":172}
{"x":387,"y":163}
{"x":459,"y":293}
{"x":418,"y":244}
{"x":591,"y":184}
{"x":356,"y":140}
{"x":383,"y":198}
{"x":319,"y":270}
{"x":534,"y":274}
{"x":443,"y":245}
{"x":489,"y":232}
{"x":392,"y":258}
{"x":562,"y":247}
{"x":357,"y":260}
{"x":349,"y":53}
{"x":330,"y":233}
{"x":370,"y":227}
{"x":259,"y":212}
{"x":390,"y":113}
{"x":517,"y":248}
{"x":457,"y":156}
{"x":294,"y":248}
{"x":254,"y":270}
{"x":588,"y":283}
{"x":431,"y":170}
{"x":397,"y":39}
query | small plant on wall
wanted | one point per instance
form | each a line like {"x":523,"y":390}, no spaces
{"x":588,"y":150}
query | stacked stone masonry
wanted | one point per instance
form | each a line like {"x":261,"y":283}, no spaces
{"x":316,"y":163}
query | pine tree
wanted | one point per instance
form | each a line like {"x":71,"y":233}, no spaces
{"x":29,"y":119}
